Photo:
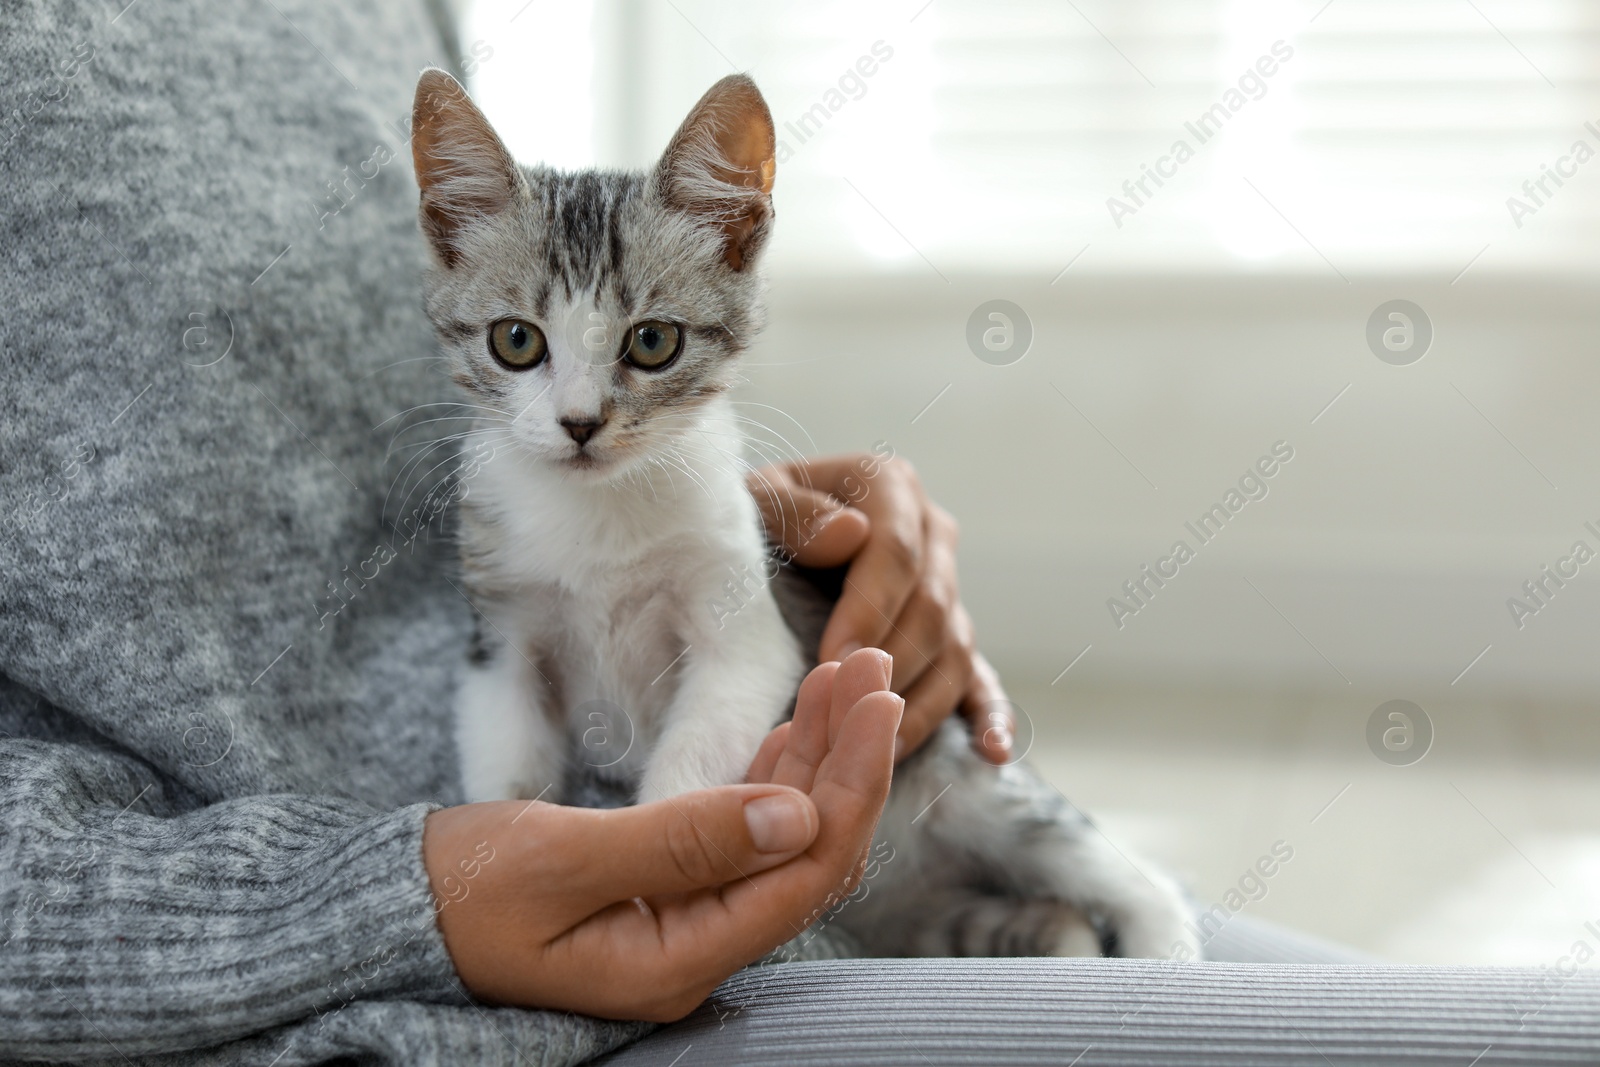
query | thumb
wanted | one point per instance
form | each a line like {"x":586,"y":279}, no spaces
{"x":814,"y":528}
{"x":706,"y":838}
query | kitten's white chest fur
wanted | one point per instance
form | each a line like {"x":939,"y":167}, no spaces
{"x":602,"y":635}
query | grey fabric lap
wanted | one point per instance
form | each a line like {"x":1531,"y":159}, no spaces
{"x":1271,"y":997}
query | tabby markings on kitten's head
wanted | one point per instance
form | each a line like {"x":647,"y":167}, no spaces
{"x":593,"y":314}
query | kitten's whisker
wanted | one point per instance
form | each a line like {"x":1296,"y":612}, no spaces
{"x":401,"y":362}
{"x":408,"y":427}
{"x":643,"y":479}
{"x":682,"y":463}
{"x":765,"y":450}
{"x":789,"y":450}
{"x":717,"y":459}
{"x":417,"y":460}
{"x":797,"y":424}
{"x":785,"y":363}
{"x":468,"y":418}
{"x":455,"y":420}
{"x":776,"y":495}
{"x":454,"y":447}
{"x":675,"y":450}
{"x":454,"y":457}
{"x":442,"y":404}
{"x":396,"y":448}
{"x":652,"y":463}
{"x":705,"y":434}
{"x":427,"y":446}
{"x":441,"y":440}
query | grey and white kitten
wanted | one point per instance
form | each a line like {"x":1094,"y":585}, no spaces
{"x":595,"y":321}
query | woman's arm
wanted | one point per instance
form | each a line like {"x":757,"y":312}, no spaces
{"x":125,"y":923}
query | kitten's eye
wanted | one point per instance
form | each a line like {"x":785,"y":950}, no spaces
{"x":653,"y":345}
{"x":517,"y":344}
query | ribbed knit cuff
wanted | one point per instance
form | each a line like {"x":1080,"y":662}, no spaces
{"x":198,"y":930}
{"x":375,"y":932}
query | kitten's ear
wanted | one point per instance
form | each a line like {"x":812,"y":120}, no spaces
{"x":720,"y":164}
{"x":464,"y":171}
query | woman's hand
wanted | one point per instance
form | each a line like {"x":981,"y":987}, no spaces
{"x":639,"y":913}
{"x":900,"y":591}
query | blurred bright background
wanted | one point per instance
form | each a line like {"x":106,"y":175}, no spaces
{"x":938,"y":155}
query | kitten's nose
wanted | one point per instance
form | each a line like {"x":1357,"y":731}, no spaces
{"x":581,"y":429}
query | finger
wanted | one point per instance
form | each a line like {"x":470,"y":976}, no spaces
{"x":927,"y":622}
{"x":704,"y":838}
{"x":924,"y":626}
{"x":994,"y":723}
{"x":918,"y":638}
{"x":853,"y":781}
{"x":882,"y":577}
{"x":766,"y":760}
{"x":930,"y":701}
{"x":751,"y":917}
{"x":807,"y":742}
{"x":863,"y":672}
{"x":813,"y":528}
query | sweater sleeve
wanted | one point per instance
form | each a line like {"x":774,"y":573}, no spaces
{"x":127,"y":922}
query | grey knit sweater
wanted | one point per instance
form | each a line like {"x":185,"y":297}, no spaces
{"x":214,"y":765}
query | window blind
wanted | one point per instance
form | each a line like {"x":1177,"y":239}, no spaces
{"x":1024,"y":136}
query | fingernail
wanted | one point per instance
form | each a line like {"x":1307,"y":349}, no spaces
{"x":847,"y":648}
{"x":778,"y":823}
{"x":900,"y":747}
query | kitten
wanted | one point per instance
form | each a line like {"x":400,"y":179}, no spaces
{"x":595,"y":321}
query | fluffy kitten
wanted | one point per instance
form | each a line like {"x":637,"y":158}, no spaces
{"x":595,"y":320}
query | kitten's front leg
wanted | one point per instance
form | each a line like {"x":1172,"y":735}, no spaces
{"x":509,"y":745}
{"x":736,"y":685}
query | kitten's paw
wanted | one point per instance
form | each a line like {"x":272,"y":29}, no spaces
{"x":660,"y":783}
{"x":1161,"y":928}
{"x":961,"y":923}
{"x":1073,"y":935}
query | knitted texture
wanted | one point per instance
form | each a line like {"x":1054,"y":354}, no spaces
{"x":215,"y":765}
